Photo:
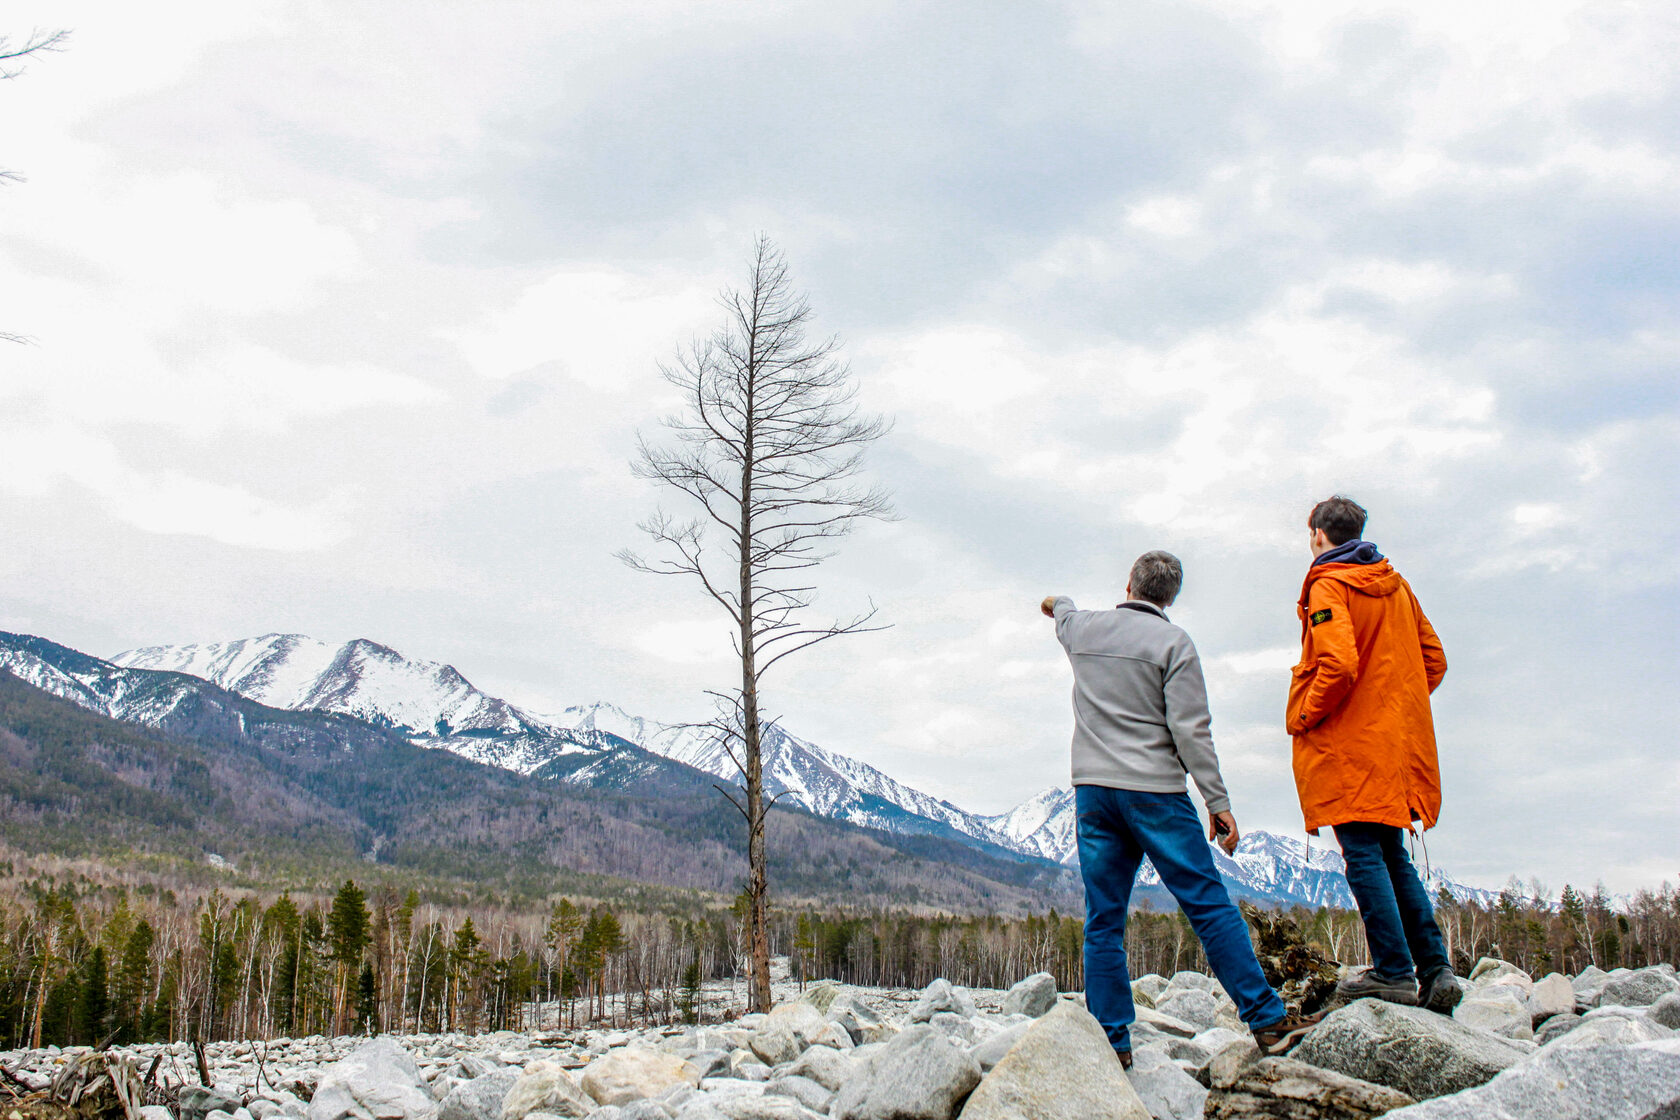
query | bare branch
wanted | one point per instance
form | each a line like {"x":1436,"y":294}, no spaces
{"x":38,"y":42}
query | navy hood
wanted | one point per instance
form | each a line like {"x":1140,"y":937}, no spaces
{"x":1350,"y":552}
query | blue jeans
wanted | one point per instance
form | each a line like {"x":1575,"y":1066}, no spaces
{"x":1117,"y":828}
{"x":1399,"y":922}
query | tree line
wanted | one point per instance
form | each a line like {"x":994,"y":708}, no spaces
{"x":84,"y":963}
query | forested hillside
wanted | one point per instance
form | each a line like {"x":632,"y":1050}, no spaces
{"x":302,"y":799}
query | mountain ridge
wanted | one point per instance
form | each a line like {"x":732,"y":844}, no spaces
{"x":438,"y":707}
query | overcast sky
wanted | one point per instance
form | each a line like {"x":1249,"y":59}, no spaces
{"x":345,"y":317}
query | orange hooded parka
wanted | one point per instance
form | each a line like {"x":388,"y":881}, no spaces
{"x":1359,"y":700}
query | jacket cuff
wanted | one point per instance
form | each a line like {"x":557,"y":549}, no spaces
{"x":1219,"y":805}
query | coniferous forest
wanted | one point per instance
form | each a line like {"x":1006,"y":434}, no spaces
{"x":88,"y":955}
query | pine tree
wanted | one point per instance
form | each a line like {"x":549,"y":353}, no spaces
{"x":134,"y":970}
{"x":93,"y":1004}
{"x":691,"y":984}
{"x":367,"y":1000}
{"x":347,"y":927}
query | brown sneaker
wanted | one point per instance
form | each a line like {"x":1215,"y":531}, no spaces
{"x":1284,"y":1035}
{"x":1125,"y":1057}
{"x":1366,"y":984}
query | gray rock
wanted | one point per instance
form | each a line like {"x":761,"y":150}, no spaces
{"x":1612,"y":1030}
{"x":1286,"y":1089}
{"x":708,"y":1062}
{"x":1150,"y":985}
{"x":815,"y":1097}
{"x":1498,"y":1009}
{"x":545,"y":1087}
{"x":378,"y":1080}
{"x":1666,"y":1011}
{"x":198,"y":1101}
{"x":919,"y":1075}
{"x":646,"y":1110}
{"x":1556,"y":1027}
{"x":474,"y":1065}
{"x":1552,"y":996}
{"x":941,"y":996}
{"x":1418,"y":1052}
{"x":1033,"y":996}
{"x":1187,"y":1052}
{"x":263,"y":1109}
{"x":1164,"y":1088}
{"x":788,"y":1032}
{"x":859,"y":1020}
{"x":1638,"y":989}
{"x":1163,"y":1023}
{"x":478,"y":1099}
{"x":1197,"y":981}
{"x":1490,"y":971}
{"x":154,"y":1112}
{"x":991,"y":1051}
{"x":1225,"y":1066}
{"x":1594,"y":1083}
{"x":1590,"y":978}
{"x":765,"y":1108}
{"x":821,"y":995}
{"x":606,"y":1112}
{"x":635,"y":1073}
{"x":1063,"y":1068}
{"x":824,"y":1065}
{"x":953,"y":1026}
{"x":1199,"y":1009}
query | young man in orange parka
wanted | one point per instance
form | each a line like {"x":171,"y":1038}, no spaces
{"x":1364,"y":750}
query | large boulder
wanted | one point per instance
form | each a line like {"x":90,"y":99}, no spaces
{"x":478,"y":1099}
{"x":1590,"y":978}
{"x":1033,"y":996}
{"x":939,"y":996}
{"x":1150,"y":985}
{"x":1063,"y":1068}
{"x":1490,"y":971}
{"x":859,"y":1020}
{"x":1666,"y":1011}
{"x":1167,"y":1092}
{"x":1198,"y":1008}
{"x":919,"y":1075}
{"x":1416,"y":1051}
{"x":198,"y":1101}
{"x":1556,"y":1027}
{"x":821,"y":995}
{"x":990,"y":1051}
{"x":787,"y":1032}
{"x":378,"y":1080}
{"x":1552,"y":996}
{"x":1499,"y":1009}
{"x":1612,"y":1030}
{"x":802,"y":1089}
{"x":634,"y":1073}
{"x":825,"y":1065}
{"x":1197,"y":981}
{"x":545,"y":1087}
{"x":1162,"y":1023}
{"x":1638,"y":989}
{"x":1594,"y":1083}
{"x":1287,"y":1089}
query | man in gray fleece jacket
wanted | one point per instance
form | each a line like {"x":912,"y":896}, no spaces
{"x":1141,"y":723}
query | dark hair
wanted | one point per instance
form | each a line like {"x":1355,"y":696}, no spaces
{"x":1157,"y":576}
{"x":1342,"y":519}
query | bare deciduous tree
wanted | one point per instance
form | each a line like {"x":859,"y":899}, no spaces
{"x":767,"y":451}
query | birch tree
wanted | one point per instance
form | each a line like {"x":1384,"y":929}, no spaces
{"x":766,"y":456}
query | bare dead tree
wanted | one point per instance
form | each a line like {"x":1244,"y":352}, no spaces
{"x":767,"y":452}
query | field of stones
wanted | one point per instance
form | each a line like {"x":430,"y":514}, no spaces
{"x":1604,"y":1046}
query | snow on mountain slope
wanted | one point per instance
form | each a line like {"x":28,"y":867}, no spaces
{"x":434,"y":705}
{"x":1266,"y":865}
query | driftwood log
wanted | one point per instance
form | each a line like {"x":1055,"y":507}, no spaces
{"x":91,"y":1086}
{"x":1303,"y":975}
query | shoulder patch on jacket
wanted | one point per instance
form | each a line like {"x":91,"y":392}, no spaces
{"x":1319,"y":616}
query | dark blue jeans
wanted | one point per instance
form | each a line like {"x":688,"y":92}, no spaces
{"x":1117,"y":828}
{"x":1399,"y":922}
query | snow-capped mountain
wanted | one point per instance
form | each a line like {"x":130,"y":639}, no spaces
{"x":433,"y":705}
{"x":826,"y":783}
{"x":429,"y":702}
{"x":1265,"y":865}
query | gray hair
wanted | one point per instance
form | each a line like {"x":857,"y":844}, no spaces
{"x":1157,"y":576}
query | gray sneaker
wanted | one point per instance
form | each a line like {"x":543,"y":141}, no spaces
{"x":1441,"y":992}
{"x":1367,"y":984}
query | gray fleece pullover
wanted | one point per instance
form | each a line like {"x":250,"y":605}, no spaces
{"x":1140,"y":707}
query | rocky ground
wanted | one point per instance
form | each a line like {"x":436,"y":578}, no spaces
{"x":1599,"y":1045}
